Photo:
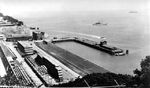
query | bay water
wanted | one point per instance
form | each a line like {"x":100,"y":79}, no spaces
{"x":129,"y":31}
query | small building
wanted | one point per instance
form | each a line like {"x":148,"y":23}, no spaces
{"x":2,"y":37}
{"x":25,"y":47}
{"x":15,"y":37}
{"x":37,"y":35}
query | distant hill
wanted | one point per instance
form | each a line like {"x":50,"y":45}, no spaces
{"x":11,"y":19}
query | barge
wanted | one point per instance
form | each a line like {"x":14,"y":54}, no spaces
{"x":103,"y":46}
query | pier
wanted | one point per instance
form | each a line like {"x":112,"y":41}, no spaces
{"x":100,"y":46}
{"x":72,"y":61}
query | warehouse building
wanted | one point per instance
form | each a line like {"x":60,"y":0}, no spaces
{"x":38,"y":35}
{"x":25,"y":47}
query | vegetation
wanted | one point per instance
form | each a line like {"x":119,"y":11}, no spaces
{"x":9,"y":80}
{"x":99,"y":79}
{"x":142,"y":76}
{"x":11,"y":19}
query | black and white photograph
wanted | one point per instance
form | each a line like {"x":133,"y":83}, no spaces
{"x":75,"y":43}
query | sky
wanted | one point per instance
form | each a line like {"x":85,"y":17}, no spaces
{"x":26,"y":7}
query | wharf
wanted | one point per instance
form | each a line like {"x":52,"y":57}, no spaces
{"x":72,"y":61}
{"x":106,"y":48}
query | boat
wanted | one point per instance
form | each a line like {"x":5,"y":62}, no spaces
{"x":133,"y":12}
{"x":99,"y":23}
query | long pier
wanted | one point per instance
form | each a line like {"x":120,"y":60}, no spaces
{"x":72,"y":61}
{"x":106,"y":48}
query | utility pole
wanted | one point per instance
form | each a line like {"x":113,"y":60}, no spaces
{"x":86,"y":83}
{"x":116,"y":82}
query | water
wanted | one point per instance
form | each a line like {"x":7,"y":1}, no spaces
{"x":125,"y":30}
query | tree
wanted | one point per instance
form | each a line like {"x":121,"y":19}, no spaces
{"x":142,"y":77}
{"x":19,"y":23}
{"x":10,"y":19}
{"x":145,"y":70}
{"x":99,"y":79}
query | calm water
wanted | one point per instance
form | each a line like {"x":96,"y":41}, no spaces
{"x":125,"y":30}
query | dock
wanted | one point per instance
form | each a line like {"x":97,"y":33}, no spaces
{"x":105,"y":47}
{"x":72,"y":61}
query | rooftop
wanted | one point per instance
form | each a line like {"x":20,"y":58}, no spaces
{"x":25,"y":44}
